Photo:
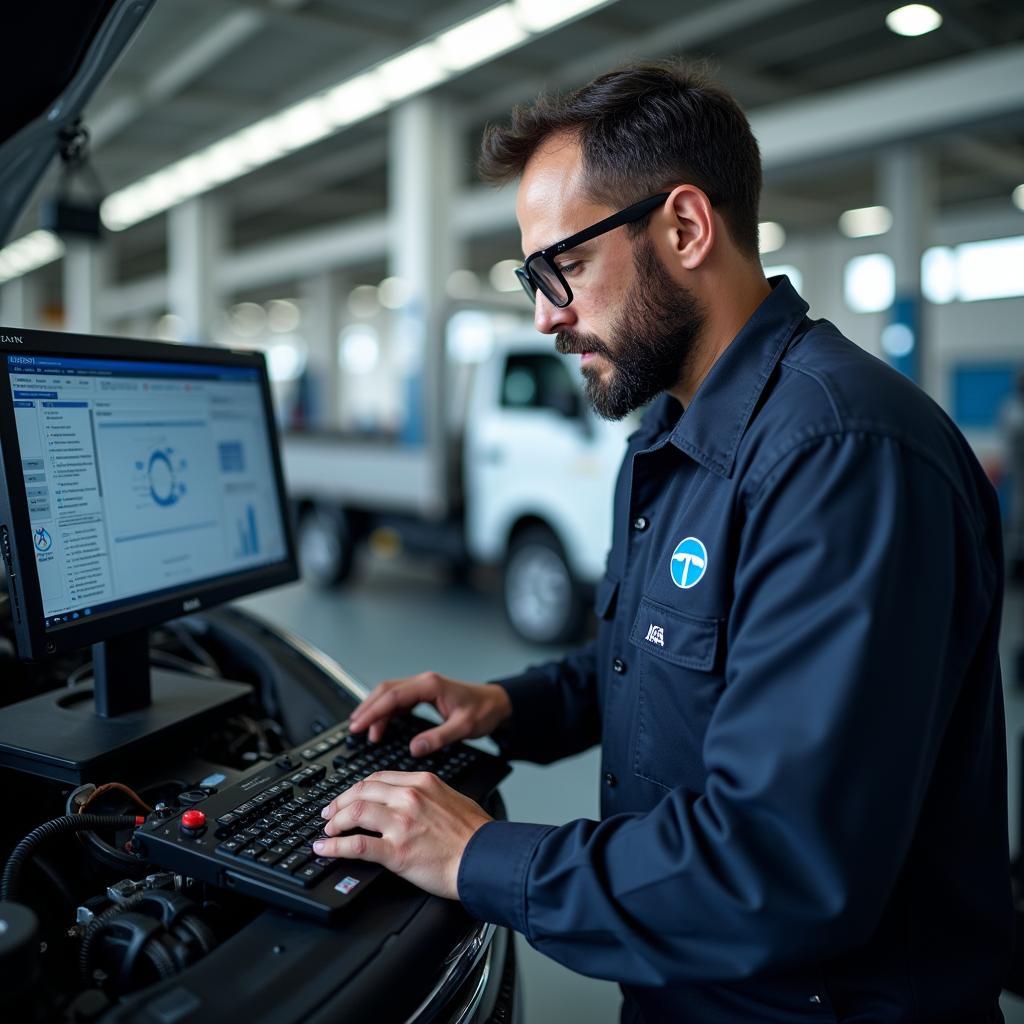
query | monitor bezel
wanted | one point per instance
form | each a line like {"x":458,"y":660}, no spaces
{"x":34,"y":640}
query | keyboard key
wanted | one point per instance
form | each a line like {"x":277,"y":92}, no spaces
{"x":293,"y":861}
{"x":311,"y":873}
{"x":253,"y":852}
{"x":231,"y":846}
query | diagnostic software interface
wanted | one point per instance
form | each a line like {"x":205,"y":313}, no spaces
{"x":142,"y":477}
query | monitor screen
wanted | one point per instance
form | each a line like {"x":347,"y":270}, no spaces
{"x":143,"y":478}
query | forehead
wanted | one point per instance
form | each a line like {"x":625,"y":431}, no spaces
{"x":550,"y":202}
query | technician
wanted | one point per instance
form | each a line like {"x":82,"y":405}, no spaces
{"x":795,"y":681}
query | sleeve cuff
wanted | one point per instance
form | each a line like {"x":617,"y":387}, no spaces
{"x":492,"y":873}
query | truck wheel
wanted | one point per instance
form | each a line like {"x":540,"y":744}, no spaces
{"x":325,"y":547}
{"x":542,"y":600}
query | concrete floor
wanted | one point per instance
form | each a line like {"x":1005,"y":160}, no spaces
{"x":394,"y":620}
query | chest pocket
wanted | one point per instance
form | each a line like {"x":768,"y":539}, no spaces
{"x":680,"y":682}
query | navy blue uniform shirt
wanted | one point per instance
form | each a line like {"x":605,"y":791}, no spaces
{"x":796,"y":688}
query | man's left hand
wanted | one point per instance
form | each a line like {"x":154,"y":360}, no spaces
{"x":424,"y":827}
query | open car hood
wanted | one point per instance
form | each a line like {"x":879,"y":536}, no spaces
{"x":58,"y":53}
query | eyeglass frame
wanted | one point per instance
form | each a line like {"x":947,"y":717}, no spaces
{"x":627,"y":216}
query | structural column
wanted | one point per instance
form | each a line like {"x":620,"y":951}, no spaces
{"x":195,"y":242}
{"x":321,"y":324}
{"x":19,"y":302}
{"x":85,"y":279}
{"x":423,"y":173}
{"x":906,"y":189}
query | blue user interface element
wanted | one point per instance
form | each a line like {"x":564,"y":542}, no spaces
{"x":142,"y":477}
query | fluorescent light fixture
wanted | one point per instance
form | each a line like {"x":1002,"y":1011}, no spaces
{"x":411,"y":72}
{"x":448,"y":53}
{"x":304,"y":123}
{"x":771,"y":236}
{"x":541,"y":15}
{"x":358,"y":98}
{"x":1018,"y":197}
{"x":865,"y":221}
{"x":28,"y":253}
{"x":913,"y":20}
{"x":480,"y":38}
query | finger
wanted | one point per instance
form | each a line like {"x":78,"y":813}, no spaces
{"x":403,"y":780}
{"x":366,"y":814}
{"x":357,"y":847}
{"x":455,"y":728}
{"x":371,"y":788}
{"x":357,"y":718}
{"x":400,"y":695}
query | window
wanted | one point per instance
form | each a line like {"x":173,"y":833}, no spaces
{"x":538,"y":382}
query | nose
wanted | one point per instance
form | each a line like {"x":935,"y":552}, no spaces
{"x":549,"y":318}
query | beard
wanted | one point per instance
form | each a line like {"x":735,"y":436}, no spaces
{"x":650,"y":341}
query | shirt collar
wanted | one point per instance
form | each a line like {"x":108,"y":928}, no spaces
{"x":711,"y":427}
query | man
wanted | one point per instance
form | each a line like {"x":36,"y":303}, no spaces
{"x":795,"y":680}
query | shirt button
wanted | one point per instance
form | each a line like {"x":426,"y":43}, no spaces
{"x":619,"y":666}
{"x":610,"y":781}
{"x":640,"y":523}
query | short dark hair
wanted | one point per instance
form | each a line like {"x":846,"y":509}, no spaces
{"x":644,"y":128}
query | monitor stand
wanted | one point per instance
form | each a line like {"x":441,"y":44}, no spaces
{"x":70,"y":734}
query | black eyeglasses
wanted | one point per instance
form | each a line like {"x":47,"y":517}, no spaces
{"x":539,"y":270}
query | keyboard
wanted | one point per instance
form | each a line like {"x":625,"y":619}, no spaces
{"x":254,"y":835}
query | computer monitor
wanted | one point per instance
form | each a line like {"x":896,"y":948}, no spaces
{"x":140,"y":481}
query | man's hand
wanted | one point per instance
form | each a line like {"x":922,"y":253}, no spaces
{"x":468,"y":710}
{"x":424,"y":827}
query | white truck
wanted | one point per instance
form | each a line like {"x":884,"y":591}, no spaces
{"x":523,"y":480}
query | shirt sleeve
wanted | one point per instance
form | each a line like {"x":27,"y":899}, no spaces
{"x":862,"y":591}
{"x":555,"y":710}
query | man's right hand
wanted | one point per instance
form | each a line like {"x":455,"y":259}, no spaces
{"x":469,"y":710}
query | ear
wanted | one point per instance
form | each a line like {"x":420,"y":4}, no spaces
{"x":690,"y":226}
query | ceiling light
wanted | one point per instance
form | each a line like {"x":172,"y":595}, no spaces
{"x":452,"y":51}
{"x":411,"y":72}
{"x":1018,"y":197}
{"x":28,"y":253}
{"x":480,"y":38}
{"x":353,"y":100}
{"x":503,"y":275}
{"x":463,"y":284}
{"x":303,"y":123}
{"x":393,"y":293}
{"x":865,"y":221}
{"x":538,"y":15}
{"x":771,"y":236}
{"x":913,"y":20}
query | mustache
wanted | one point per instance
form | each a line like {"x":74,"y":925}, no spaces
{"x":569,"y":344}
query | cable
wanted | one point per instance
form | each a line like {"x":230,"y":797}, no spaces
{"x":58,"y":826}
{"x":121,"y":788}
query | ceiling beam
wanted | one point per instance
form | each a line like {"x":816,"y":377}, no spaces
{"x":907,"y":105}
{"x":213,"y":44}
{"x":689,"y":32}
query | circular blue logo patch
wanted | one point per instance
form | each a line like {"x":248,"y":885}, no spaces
{"x":689,"y":563}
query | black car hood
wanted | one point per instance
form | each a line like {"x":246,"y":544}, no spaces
{"x":58,"y":53}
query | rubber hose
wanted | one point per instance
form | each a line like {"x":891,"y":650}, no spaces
{"x":160,"y":958}
{"x":95,"y":926}
{"x":49,"y":829}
